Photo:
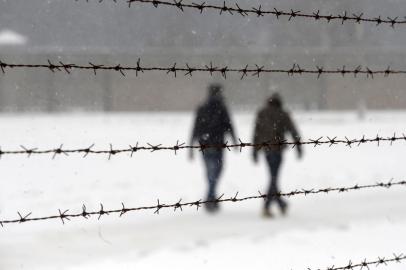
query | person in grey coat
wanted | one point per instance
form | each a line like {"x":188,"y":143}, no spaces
{"x":271,"y":125}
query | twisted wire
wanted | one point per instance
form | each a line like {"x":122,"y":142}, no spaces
{"x":366,"y":264}
{"x":64,"y":216}
{"x":224,"y":71}
{"x":258,"y":11}
{"x":132,"y":149}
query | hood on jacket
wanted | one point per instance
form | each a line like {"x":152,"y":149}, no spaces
{"x":275,"y":100}
{"x":215,"y":91}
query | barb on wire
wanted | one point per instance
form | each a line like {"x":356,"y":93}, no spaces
{"x":235,"y":9}
{"x":254,"y":70}
{"x":111,"y":151}
{"x":366,"y":264}
{"x":64,"y":216}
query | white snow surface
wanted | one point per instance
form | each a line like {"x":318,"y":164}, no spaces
{"x":9,"y":37}
{"x":319,"y":231}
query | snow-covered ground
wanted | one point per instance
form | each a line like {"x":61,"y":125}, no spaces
{"x":319,"y":231}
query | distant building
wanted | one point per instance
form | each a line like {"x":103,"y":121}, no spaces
{"x":76,"y":32}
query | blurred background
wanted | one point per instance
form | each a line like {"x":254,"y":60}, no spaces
{"x":41,"y":109}
{"x":111,"y":33}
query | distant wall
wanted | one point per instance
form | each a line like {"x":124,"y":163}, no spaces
{"x":42,"y":90}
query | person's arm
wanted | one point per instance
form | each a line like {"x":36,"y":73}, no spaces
{"x":229,"y":126}
{"x":291,"y":128}
{"x":256,"y":137}
{"x":194,"y":135}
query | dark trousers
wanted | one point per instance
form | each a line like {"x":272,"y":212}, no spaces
{"x":213,"y":159}
{"x":274,"y":160}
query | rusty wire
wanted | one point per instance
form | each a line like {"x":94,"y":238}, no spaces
{"x":224,"y":71}
{"x":132,"y":149}
{"x":64,"y":216}
{"x":236,"y":9}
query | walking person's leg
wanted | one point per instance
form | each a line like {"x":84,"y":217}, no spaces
{"x":274,"y":160}
{"x":275,"y":180}
{"x":210,"y":173}
{"x":217,"y":172}
{"x":213,"y":161}
{"x":218,"y":167}
{"x":269,"y":198}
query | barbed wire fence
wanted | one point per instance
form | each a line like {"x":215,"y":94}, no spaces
{"x":64,"y":216}
{"x":235,"y":9}
{"x":202,"y":147}
{"x":366,"y":264}
{"x":245,"y":71}
{"x":224,"y":71}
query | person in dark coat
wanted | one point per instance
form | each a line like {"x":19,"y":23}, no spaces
{"x":211,"y":125}
{"x":271,"y":125}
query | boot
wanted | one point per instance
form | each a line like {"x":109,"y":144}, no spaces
{"x":284,"y":208}
{"x":266,"y":213}
{"x":212,"y":207}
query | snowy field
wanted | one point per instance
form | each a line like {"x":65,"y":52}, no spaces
{"x":319,"y":231}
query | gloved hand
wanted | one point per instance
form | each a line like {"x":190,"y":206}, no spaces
{"x":255,"y":156}
{"x":299,"y":152}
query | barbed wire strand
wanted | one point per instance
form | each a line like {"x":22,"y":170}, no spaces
{"x":188,"y":70}
{"x":64,"y":216}
{"x":202,"y":147}
{"x":258,"y":11}
{"x":366,"y":264}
